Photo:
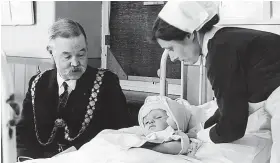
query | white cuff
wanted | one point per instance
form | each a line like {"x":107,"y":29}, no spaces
{"x":204,"y":135}
{"x":185,"y":143}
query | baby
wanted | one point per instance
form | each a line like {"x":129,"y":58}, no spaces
{"x":166,"y":122}
{"x":163,"y":126}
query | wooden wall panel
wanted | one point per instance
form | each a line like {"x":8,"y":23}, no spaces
{"x":30,"y":70}
{"x":19,"y":76}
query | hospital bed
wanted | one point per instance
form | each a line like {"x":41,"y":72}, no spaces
{"x":254,"y":147}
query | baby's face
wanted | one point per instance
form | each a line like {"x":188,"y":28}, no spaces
{"x":156,"y":120}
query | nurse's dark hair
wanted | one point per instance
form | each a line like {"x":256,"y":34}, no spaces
{"x":163,"y":30}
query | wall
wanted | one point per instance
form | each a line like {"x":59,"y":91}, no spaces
{"x":88,"y":14}
{"x":21,"y":74}
{"x":30,"y":41}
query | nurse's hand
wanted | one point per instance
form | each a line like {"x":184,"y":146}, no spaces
{"x":213,"y":119}
{"x":204,"y":135}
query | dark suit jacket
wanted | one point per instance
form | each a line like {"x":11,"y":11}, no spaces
{"x":110,"y":113}
{"x":243,"y":66}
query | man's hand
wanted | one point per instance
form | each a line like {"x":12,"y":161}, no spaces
{"x":71,"y":149}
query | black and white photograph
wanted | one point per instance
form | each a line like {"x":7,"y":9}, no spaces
{"x":175,"y":81}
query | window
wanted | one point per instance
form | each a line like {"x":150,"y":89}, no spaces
{"x":249,"y":12}
{"x":17,"y":13}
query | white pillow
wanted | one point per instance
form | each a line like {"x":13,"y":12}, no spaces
{"x":201,"y":113}
{"x":197,"y":116}
{"x":259,"y":119}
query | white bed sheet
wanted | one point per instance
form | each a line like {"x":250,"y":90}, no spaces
{"x":264,"y":154}
{"x":254,"y":147}
{"x":250,"y":149}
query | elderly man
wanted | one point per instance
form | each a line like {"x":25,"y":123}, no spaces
{"x":67,"y":106}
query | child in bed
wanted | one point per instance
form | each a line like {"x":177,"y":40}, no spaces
{"x":163,"y":126}
{"x":166,"y":122}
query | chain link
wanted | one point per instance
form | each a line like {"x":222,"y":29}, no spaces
{"x":88,"y":115}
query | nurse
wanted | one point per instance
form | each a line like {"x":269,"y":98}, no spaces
{"x":243,"y":66}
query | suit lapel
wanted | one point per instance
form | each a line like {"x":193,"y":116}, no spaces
{"x":47,"y":96}
{"x":53,"y":89}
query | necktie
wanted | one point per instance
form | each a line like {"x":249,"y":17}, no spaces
{"x":63,"y":97}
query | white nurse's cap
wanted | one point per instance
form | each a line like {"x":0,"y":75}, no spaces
{"x":188,"y":15}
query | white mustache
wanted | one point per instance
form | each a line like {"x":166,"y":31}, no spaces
{"x":76,"y":69}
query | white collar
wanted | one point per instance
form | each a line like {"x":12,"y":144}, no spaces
{"x":204,"y":42}
{"x":207,"y":36}
{"x":70,"y":83}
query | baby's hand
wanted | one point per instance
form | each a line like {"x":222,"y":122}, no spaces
{"x":192,"y":135}
{"x":180,"y":133}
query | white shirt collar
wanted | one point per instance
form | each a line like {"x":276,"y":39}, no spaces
{"x":207,"y":36}
{"x":203,"y":41}
{"x":71,"y":84}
